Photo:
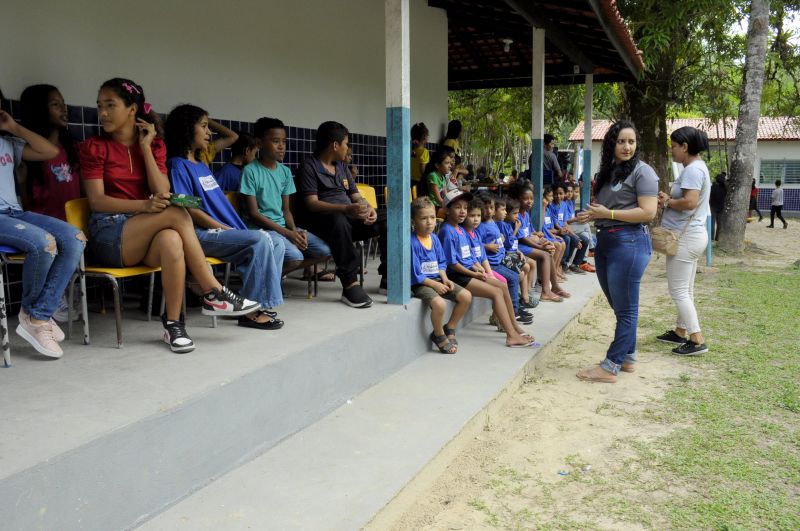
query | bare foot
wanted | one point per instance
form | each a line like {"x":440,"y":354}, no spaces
{"x":596,"y":374}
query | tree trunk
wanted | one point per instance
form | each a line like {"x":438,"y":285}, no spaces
{"x":733,"y":219}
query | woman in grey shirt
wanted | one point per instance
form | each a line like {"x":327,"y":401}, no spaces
{"x":625,"y":197}
{"x":686,"y":210}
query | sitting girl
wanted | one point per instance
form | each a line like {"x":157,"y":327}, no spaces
{"x":132,"y":221}
{"x":464,"y":270}
{"x":47,"y":185}
{"x":52,"y":247}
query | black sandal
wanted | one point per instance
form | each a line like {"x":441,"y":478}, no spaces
{"x":444,"y":348}
{"x":451,"y":332}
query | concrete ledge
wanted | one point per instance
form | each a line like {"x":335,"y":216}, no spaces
{"x":343,"y":470}
{"x":99,"y":442}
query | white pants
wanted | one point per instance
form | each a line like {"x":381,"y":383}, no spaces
{"x":681,"y":270}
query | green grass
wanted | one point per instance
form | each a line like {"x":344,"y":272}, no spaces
{"x":738,"y":458}
{"x":731,"y":459}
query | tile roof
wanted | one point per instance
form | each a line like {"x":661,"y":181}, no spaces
{"x":778,"y":128}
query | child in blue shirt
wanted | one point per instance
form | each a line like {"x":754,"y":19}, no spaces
{"x":549,"y":232}
{"x":222,"y":234}
{"x":535,"y":246}
{"x":505,"y":215}
{"x":511,"y":278}
{"x":464,"y":269}
{"x":582,"y":230}
{"x":429,"y":280}
{"x":575,"y":248}
{"x":243,"y":152}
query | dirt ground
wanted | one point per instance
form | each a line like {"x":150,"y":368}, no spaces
{"x":556,"y":434}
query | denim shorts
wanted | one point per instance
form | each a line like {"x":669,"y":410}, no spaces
{"x":105,"y":238}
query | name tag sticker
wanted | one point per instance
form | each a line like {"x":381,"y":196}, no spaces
{"x":477,"y":251}
{"x":208,"y":183}
{"x":514,"y":245}
{"x":523,"y":232}
{"x":465,"y":252}
{"x":547,"y":220}
{"x":430,"y":268}
{"x":560,"y":216}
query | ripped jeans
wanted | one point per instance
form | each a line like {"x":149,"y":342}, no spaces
{"x":52,"y":254}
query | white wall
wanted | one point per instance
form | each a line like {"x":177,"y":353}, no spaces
{"x":304,"y":62}
{"x":773,"y":150}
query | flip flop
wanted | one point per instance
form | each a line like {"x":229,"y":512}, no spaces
{"x":326,"y":276}
{"x":533,"y":344}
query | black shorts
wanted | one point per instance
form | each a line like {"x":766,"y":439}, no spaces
{"x":460,"y":279}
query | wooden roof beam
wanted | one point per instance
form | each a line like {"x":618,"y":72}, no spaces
{"x":553,"y":34}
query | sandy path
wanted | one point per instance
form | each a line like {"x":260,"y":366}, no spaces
{"x":555,"y":435}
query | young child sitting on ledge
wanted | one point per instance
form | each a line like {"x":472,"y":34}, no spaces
{"x":429,"y":280}
{"x":464,"y":270}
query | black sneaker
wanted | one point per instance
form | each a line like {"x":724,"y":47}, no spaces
{"x":671,"y":337}
{"x":524,"y":317}
{"x":225,"y":302}
{"x":175,"y":335}
{"x":575,"y":269}
{"x":383,"y":288}
{"x":356,"y":297}
{"x":690,"y":348}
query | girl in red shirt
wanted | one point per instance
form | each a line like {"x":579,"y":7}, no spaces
{"x":133,"y":221}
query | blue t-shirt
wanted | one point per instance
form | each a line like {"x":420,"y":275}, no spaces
{"x":525,"y":227}
{"x":456,"y":246}
{"x":511,"y":242}
{"x":229,"y":177}
{"x":556,"y":213}
{"x":195,"y":178}
{"x":477,"y":245}
{"x":569,"y":209}
{"x":489,"y":233}
{"x":426,"y":263}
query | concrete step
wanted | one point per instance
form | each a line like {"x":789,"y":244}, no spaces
{"x":341,"y":471}
{"x":106,"y":438}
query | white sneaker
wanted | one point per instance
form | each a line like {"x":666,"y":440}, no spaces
{"x":40,"y":337}
{"x":62,"y":313}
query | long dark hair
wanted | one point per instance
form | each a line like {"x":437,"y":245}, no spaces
{"x":610,"y":172}
{"x":453,"y":130}
{"x":179,"y":129}
{"x":35,"y":115}
{"x":437,"y":158}
{"x":130,"y":92}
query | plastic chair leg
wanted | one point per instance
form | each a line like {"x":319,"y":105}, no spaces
{"x":117,"y":311}
{"x":4,"y":323}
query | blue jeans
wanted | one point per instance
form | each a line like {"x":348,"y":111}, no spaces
{"x":257,"y":257}
{"x":513,"y":283}
{"x":45,"y":274}
{"x":621,"y":257}
{"x":316,"y":247}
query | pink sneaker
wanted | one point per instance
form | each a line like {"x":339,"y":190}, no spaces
{"x":41,"y":336}
{"x":58,"y":334}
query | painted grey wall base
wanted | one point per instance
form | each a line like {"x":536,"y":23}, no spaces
{"x":138,"y":469}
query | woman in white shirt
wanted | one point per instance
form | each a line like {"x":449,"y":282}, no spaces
{"x":685,"y":210}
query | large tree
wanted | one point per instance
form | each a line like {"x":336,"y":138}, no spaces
{"x":732,"y":223}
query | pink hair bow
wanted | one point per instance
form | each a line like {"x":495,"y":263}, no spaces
{"x":131,"y":89}
{"x":147,"y":108}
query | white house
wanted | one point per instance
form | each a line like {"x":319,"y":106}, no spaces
{"x":778,"y":151}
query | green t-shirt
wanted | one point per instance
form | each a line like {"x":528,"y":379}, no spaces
{"x":439,"y":181}
{"x":268,"y":187}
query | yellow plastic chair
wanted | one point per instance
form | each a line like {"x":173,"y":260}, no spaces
{"x":368,"y":193}
{"x":77,"y":212}
{"x":235,"y":200}
{"x":386,"y":194}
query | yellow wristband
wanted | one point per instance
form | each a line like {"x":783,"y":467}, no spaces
{"x":612,"y":215}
